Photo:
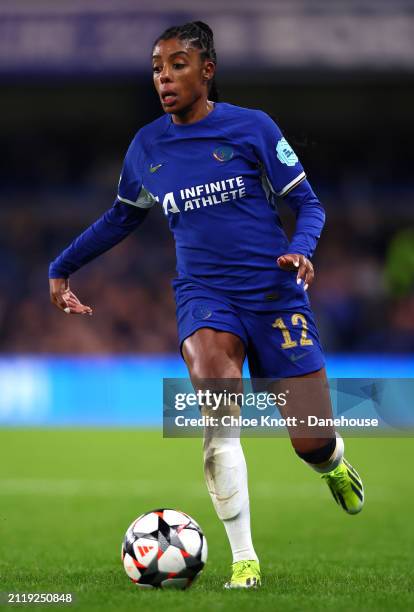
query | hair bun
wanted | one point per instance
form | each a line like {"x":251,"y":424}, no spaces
{"x":205,"y":27}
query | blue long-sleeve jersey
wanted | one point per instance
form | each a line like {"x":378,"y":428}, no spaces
{"x":217,"y":181}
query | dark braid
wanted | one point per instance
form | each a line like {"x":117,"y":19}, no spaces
{"x":200,"y":36}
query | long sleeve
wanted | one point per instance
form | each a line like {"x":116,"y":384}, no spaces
{"x":310,"y":219}
{"x":286,"y":178}
{"x":112,"y":227}
{"x":128,"y":212}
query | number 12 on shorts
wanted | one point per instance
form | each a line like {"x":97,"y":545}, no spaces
{"x":297,"y":319}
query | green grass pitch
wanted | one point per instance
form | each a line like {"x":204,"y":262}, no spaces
{"x":67,"y":497}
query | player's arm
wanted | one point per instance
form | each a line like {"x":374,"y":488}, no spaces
{"x":110,"y":229}
{"x":287,"y":179}
{"x":128,"y":212}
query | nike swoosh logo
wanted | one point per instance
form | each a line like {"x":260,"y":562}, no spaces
{"x":294,"y":357}
{"x":155,"y":168}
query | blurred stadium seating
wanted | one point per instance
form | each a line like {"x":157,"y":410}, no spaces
{"x":76,"y":85}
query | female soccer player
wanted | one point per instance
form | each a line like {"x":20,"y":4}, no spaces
{"x":241,"y":287}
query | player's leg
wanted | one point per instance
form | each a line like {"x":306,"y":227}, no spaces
{"x":319,"y":446}
{"x":286,"y":344}
{"x":215,"y":360}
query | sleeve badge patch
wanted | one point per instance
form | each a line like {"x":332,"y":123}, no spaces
{"x":285,"y":153}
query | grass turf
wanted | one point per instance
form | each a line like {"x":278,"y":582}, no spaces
{"x":67,"y":497}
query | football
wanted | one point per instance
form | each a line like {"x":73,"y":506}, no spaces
{"x":164,"y":548}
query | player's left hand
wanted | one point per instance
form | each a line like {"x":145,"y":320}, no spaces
{"x":294,"y":261}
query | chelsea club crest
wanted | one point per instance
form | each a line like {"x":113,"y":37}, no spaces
{"x":223,"y":154}
{"x":285,"y":153}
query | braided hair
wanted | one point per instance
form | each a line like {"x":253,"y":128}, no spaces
{"x":200,"y":36}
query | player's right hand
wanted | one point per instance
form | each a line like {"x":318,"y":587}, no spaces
{"x":63,"y":298}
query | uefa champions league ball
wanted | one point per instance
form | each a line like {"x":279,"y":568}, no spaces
{"x":164,"y":548}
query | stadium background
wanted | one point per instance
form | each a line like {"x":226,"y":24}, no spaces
{"x":75,"y":87}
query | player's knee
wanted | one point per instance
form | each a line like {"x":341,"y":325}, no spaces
{"x":206,"y":368}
